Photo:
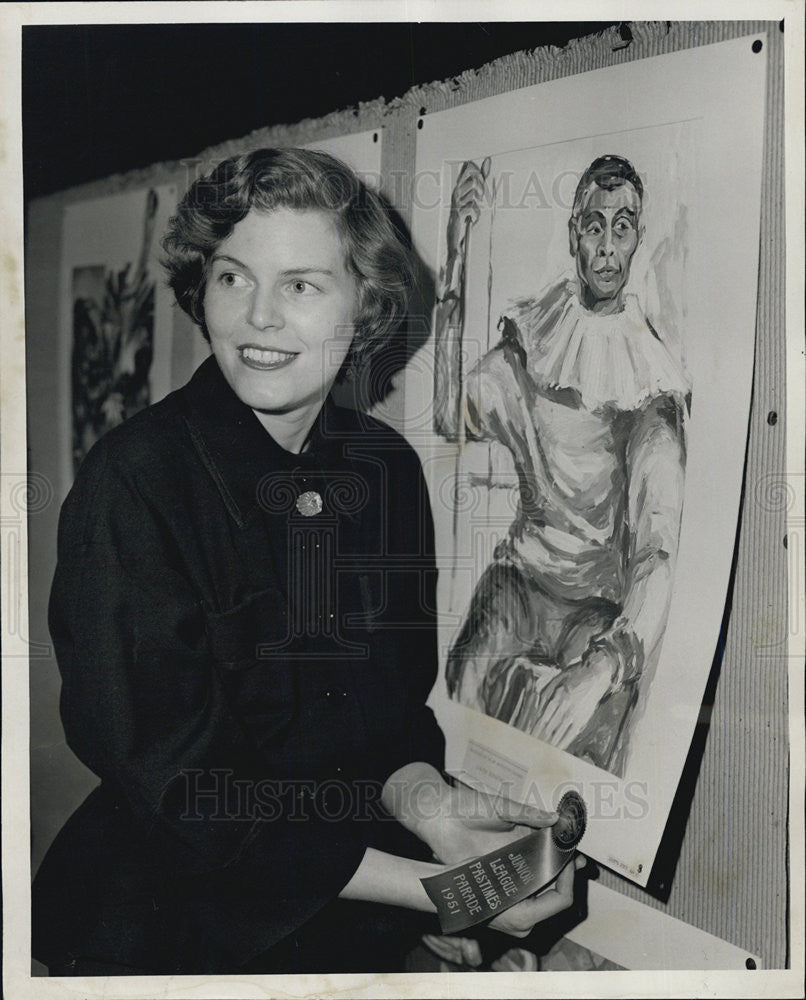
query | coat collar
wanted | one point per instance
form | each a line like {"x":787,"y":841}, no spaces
{"x":237,"y":450}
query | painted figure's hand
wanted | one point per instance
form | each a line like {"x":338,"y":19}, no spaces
{"x":457,"y":822}
{"x":465,"y":204}
{"x":567,"y":703}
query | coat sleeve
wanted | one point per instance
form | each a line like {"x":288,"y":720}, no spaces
{"x":144,"y":707}
{"x":426,"y":741}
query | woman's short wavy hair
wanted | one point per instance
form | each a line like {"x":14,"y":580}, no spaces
{"x":304,"y":179}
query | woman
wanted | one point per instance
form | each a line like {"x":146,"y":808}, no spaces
{"x":243,"y":617}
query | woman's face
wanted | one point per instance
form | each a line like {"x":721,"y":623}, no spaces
{"x":280,"y":306}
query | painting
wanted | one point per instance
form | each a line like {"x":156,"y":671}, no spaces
{"x":588,"y":396}
{"x":117,"y":313}
{"x":581,"y":410}
{"x":113,"y":342}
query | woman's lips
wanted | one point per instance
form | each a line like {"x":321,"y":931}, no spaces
{"x":265,"y":360}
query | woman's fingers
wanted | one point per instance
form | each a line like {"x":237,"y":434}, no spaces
{"x":524,"y":815}
{"x":486,"y":811}
{"x":551,"y":902}
{"x":519,"y":920}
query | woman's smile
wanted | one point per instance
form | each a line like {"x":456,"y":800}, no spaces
{"x":265,"y":359}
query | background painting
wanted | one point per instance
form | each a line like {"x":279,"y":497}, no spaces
{"x":113,"y":342}
{"x":117,"y":317}
{"x":696,"y":281}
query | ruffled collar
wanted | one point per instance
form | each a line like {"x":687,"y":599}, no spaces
{"x":616,"y":361}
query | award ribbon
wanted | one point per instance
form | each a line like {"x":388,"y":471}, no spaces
{"x":485,"y":886}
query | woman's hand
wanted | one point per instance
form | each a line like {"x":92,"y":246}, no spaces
{"x":457,"y":822}
{"x":519,"y":920}
{"x":460,"y":822}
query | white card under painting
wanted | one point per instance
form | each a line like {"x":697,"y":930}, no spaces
{"x":581,"y":411}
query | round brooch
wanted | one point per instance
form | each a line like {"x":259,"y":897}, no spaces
{"x":309,"y":504}
{"x":570,"y":827}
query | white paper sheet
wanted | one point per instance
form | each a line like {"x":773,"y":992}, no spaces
{"x":360,"y":150}
{"x":691,"y":124}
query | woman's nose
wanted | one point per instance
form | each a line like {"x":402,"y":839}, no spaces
{"x":266,"y":311}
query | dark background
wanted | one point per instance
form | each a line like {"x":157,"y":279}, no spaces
{"x":103,"y":99}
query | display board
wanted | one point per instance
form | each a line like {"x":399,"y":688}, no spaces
{"x":579,"y":611}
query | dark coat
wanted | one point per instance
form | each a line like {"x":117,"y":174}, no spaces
{"x":241,"y":677}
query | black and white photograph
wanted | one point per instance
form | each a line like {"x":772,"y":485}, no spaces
{"x":402,"y":490}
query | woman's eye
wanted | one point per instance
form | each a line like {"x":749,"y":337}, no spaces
{"x":300,"y":287}
{"x":231,"y":280}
